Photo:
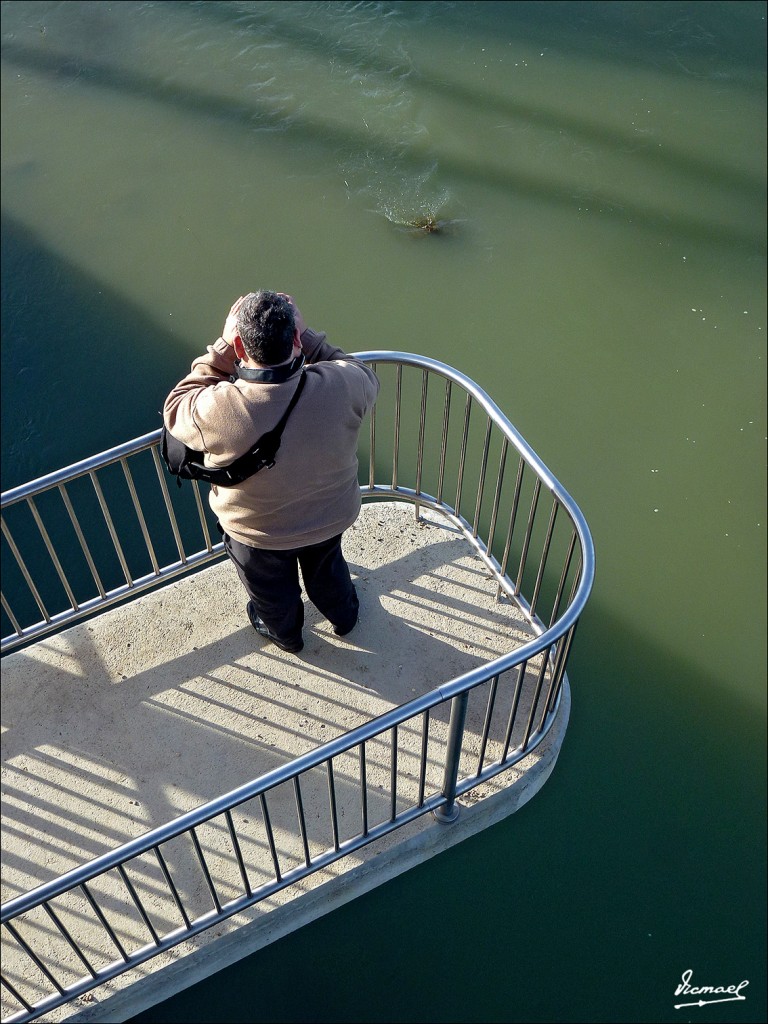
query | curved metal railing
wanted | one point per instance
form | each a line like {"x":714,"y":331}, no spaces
{"x":487,"y":482}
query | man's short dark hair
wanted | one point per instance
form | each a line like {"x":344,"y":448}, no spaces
{"x":266,"y":325}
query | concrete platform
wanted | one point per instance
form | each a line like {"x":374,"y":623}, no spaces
{"x":122,"y":723}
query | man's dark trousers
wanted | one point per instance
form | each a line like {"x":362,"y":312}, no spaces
{"x":271,"y":580}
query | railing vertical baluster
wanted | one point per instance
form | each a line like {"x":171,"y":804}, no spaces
{"x":25,"y":572}
{"x":393,"y":776}
{"x":103,"y":921}
{"x":512,"y":518}
{"x":34,"y":957}
{"x":139,"y":905}
{"x":238,"y":852}
{"x":170,"y":883}
{"x":423,"y":761}
{"x":81,"y":538}
{"x":561,"y":660}
{"x":372,"y":443}
{"x":270,"y":836}
{"x":363,"y":790}
{"x":444,"y":442}
{"x":528,"y":534}
{"x":302,"y":820}
{"x":70,"y":941}
{"x":204,"y":865}
{"x":544,"y":556}
{"x":487,"y":723}
{"x":497,"y":497}
{"x":396,"y":446}
{"x":463,"y":454}
{"x":536,"y":694}
{"x":513,"y":710}
{"x":332,"y":803}
{"x":169,"y":506}
{"x":450,"y":810}
{"x":563,"y":577}
{"x":420,"y":445}
{"x":54,"y":557}
{"x":201,"y":516}
{"x":140,"y":515}
{"x":17,"y":995}
{"x":576,"y":581}
{"x":14,"y":621}
{"x":481,"y":478}
{"x":111,"y":527}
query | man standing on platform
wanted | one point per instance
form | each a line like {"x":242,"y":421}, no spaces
{"x":293,"y":514}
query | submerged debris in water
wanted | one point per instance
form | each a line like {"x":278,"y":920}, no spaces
{"x":427,"y":223}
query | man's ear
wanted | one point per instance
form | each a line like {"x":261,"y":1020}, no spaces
{"x":237,"y":344}
{"x":297,"y":349}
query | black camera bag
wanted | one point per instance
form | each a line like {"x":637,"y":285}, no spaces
{"x":188,"y":464}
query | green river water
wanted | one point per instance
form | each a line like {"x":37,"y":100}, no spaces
{"x":601,"y":172}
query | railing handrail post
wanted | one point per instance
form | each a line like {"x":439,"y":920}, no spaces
{"x":449,"y":811}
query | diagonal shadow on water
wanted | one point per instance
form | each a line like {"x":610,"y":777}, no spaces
{"x":255,"y":116}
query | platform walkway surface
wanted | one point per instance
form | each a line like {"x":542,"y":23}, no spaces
{"x":123,"y":722}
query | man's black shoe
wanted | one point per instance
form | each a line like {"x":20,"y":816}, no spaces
{"x":343,"y":630}
{"x":259,"y":626}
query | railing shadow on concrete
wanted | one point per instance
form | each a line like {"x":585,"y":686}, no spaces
{"x":250,"y":709}
{"x":76,"y":541}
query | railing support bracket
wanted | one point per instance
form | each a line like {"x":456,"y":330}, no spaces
{"x":446,"y":816}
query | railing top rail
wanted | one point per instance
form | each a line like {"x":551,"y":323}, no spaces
{"x":77,"y":469}
{"x":547,"y":642}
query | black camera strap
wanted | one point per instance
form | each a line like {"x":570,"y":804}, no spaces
{"x":278,"y":430}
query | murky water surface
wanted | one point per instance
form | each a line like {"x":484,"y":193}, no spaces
{"x":597,"y":175}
